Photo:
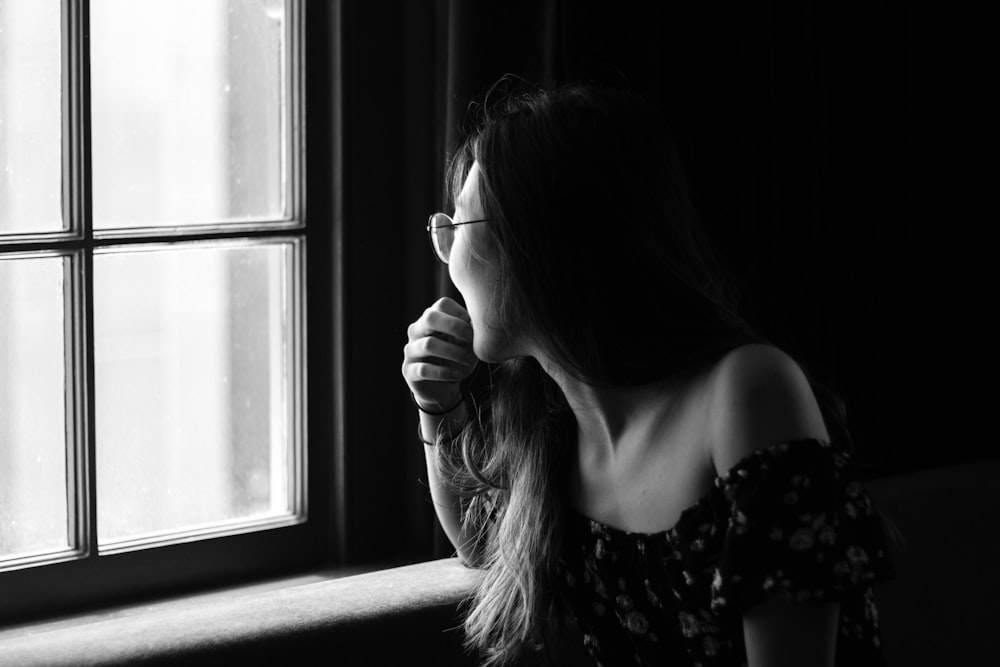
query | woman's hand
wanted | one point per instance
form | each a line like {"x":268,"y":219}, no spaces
{"x":438,"y":355}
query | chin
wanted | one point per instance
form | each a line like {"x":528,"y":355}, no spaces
{"x":487,"y":355}
{"x":492,"y":348}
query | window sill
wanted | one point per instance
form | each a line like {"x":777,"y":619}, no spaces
{"x":389,"y":617}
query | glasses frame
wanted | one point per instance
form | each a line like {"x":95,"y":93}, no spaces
{"x":432,"y":233}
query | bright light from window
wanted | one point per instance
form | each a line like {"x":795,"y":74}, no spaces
{"x":188,"y":100}
{"x":30,"y":117}
{"x":196,"y":345}
{"x":33,"y":510}
{"x":193,"y":372}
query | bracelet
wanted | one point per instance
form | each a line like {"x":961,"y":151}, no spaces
{"x":461,"y":399}
{"x":420,"y":436}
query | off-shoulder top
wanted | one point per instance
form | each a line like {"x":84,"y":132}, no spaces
{"x":792,"y":520}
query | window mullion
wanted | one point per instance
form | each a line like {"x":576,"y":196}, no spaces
{"x":77,"y":206}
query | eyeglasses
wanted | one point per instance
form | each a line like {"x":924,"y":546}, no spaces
{"x":441,"y":230}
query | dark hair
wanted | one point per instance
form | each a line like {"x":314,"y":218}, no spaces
{"x":599,"y":247}
{"x":601,"y":257}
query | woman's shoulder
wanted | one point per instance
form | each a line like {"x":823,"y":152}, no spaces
{"x":759,"y":363}
{"x":758,"y":396}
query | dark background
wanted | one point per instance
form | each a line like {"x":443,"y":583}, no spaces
{"x":818,"y":139}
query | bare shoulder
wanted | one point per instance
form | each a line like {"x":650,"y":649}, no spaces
{"x":759,"y":397}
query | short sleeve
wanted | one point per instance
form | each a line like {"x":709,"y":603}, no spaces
{"x":800,"y":526}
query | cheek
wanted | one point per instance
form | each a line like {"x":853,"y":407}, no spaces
{"x":467,"y":271}
{"x":476,"y":283}
{"x":469,"y":283}
{"x":461,"y":270}
{"x":461,"y":276}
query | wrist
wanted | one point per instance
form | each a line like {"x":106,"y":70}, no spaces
{"x":437,"y":438}
{"x":439,"y":409}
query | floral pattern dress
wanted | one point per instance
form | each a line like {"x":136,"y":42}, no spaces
{"x":791,"y":520}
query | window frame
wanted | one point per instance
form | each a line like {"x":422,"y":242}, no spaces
{"x":86,"y":579}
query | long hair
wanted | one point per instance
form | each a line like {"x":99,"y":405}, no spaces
{"x":601,"y":257}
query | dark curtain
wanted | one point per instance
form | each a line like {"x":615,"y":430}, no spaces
{"x":796,"y":125}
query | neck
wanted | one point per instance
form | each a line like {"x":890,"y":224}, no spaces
{"x":609,"y":417}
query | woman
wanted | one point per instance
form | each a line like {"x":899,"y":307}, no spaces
{"x":640,"y":459}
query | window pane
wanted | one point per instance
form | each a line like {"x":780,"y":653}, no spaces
{"x":30,"y":117}
{"x":195,"y":386}
{"x":33,"y":496}
{"x":189,"y":111}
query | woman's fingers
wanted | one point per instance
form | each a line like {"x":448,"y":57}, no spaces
{"x":422,"y":371}
{"x":434,"y":322}
{"x":438,"y":353}
{"x":453,"y":308}
{"x":442,"y":322}
{"x":432,"y":346}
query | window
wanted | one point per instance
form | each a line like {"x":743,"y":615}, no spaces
{"x":152,"y":285}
